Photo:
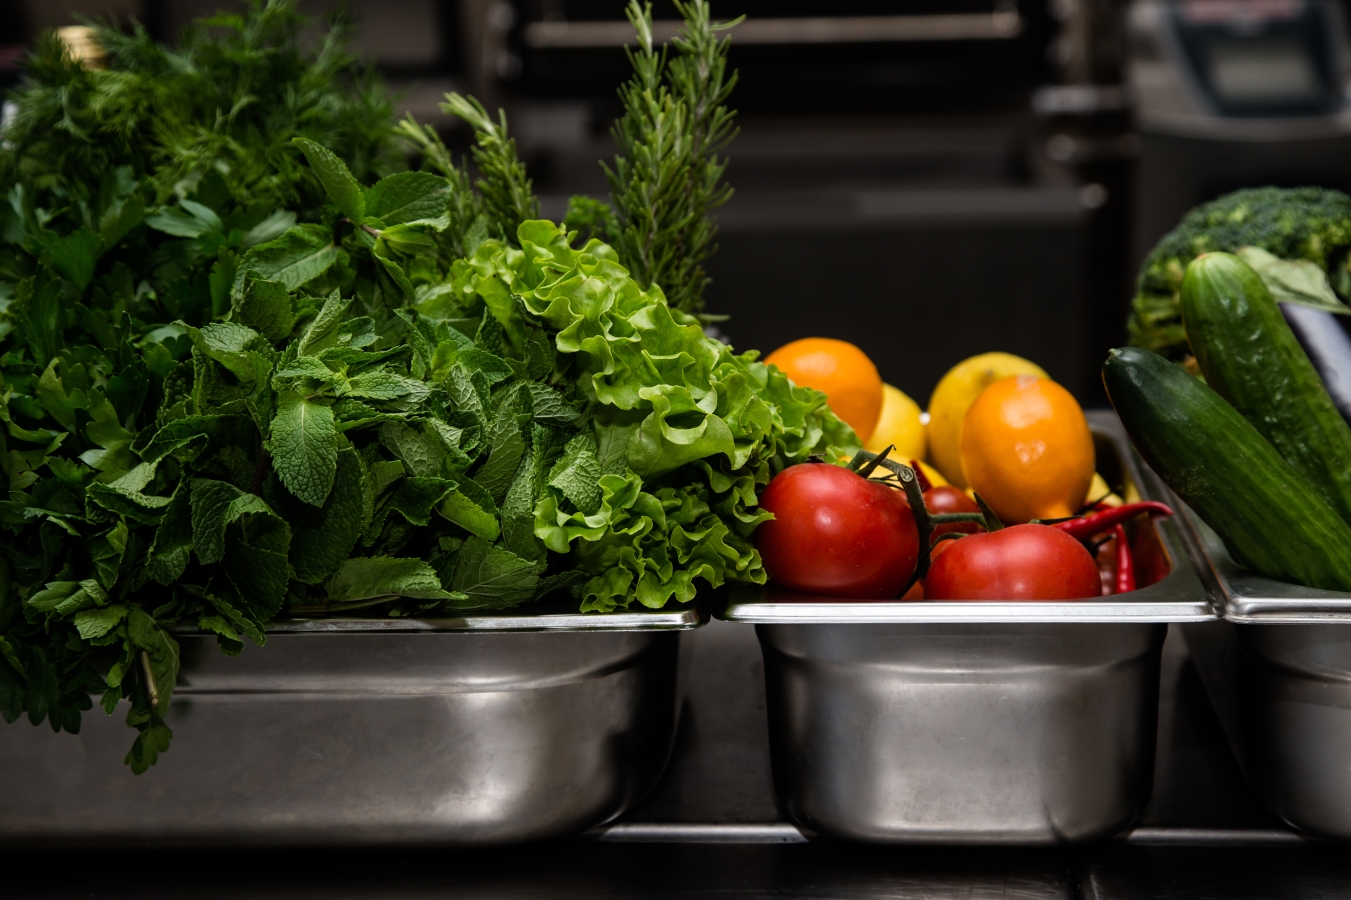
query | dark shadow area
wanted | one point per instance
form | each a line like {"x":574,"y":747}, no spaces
{"x":1312,"y":872}
{"x":561,"y":870}
{"x":1197,"y":782}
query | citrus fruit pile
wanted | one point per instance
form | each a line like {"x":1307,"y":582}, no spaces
{"x":1002,"y":444}
{"x":997,"y":425}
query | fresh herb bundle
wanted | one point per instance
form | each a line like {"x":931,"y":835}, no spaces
{"x":424,"y":403}
{"x":667,"y":177}
{"x":226,"y":101}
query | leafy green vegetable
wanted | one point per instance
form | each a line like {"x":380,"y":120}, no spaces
{"x":1291,"y":224}
{"x":212,"y":117}
{"x":428,"y":400}
{"x":658,"y":486}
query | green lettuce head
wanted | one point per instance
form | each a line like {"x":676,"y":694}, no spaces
{"x":659,"y":488}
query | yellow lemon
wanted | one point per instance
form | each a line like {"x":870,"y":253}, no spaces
{"x":954,"y":395}
{"x":899,"y":424}
{"x":1100,"y":492}
{"x":935,"y":477}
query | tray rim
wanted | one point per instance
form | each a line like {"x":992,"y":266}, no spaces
{"x":1179,"y":597}
{"x":685,"y":618}
{"x":1244,"y":597}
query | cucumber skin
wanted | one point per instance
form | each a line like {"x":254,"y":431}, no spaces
{"x":1251,"y":357}
{"x":1270,"y":518}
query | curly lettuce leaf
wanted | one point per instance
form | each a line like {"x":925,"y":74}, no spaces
{"x":659,"y":491}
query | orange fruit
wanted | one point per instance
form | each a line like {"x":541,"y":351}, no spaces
{"x":839,"y":370}
{"x":1027,"y":450}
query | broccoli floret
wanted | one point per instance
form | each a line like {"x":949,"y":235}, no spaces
{"x":1292,"y":223}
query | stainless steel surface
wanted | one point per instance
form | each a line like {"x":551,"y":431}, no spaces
{"x":1177,"y":597}
{"x":367,"y":738}
{"x":1283,"y":695}
{"x":1278,"y":672}
{"x":1214,"y":837}
{"x":691,"y":837}
{"x":700,"y":833}
{"x":963,"y":733}
{"x":1001,"y":24}
{"x":1244,"y":596}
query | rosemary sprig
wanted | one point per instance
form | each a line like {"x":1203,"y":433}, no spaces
{"x":667,"y":176}
{"x":508,"y":199}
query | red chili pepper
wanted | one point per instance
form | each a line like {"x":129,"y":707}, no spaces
{"x":1125,"y":563}
{"x":920,"y":478}
{"x":1087,"y":526}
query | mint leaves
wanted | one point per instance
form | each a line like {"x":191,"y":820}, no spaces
{"x":343,"y":189}
{"x":305,"y":446}
{"x":393,"y":397}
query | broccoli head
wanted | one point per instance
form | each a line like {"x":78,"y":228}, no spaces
{"x":1292,"y":223}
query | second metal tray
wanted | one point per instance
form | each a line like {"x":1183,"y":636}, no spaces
{"x":974,"y":723}
{"x":1241,"y":595}
{"x":1178,"y":596}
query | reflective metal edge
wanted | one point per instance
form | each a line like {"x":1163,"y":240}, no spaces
{"x":1246,"y":597}
{"x":787,"y":833}
{"x":1215,"y":837}
{"x":698,"y":833}
{"x":1179,"y":597}
{"x":509,"y":621}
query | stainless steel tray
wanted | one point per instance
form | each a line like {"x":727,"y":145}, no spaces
{"x":963,"y":733}
{"x":477,"y":730}
{"x":926,"y":722}
{"x":1278,"y":672}
{"x":1283,"y":695}
{"x":1178,"y":597}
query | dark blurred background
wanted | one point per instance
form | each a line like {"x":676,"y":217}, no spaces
{"x":930,"y":178}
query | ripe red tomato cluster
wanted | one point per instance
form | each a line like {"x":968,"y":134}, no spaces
{"x":837,"y":533}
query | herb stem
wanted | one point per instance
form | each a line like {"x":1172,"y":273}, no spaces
{"x":259,"y":472}
{"x":150,"y":687}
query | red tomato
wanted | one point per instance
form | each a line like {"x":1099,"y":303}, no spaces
{"x":1021,"y":562}
{"x":837,"y":533}
{"x":947,"y":499}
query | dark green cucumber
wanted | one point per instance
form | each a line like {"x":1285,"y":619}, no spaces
{"x":1248,"y":353}
{"x":1270,"y":517}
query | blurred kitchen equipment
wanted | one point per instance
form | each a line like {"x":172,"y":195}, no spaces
{"x":1235,"y":93}
{"x":791,"y":53}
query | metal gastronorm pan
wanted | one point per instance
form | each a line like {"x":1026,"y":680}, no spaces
{"x":932,"y":722}
{"x":1279,"y":674}
{"x":476,"y":730}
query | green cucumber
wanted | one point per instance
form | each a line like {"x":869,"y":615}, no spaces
{"x":1247,"y":353}
{"x":1270,"y":517}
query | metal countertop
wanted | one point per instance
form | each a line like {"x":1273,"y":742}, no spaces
{"x":711,"y":828}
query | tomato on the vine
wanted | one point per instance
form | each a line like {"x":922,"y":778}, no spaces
{"x":1021,"y":562}
{"x":835,"y":532}
{"x":945,"y":498}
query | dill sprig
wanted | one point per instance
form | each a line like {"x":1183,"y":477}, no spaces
{"x":228,"y":99}
{"x":667,"y":176}
{"x":507,"y":196}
